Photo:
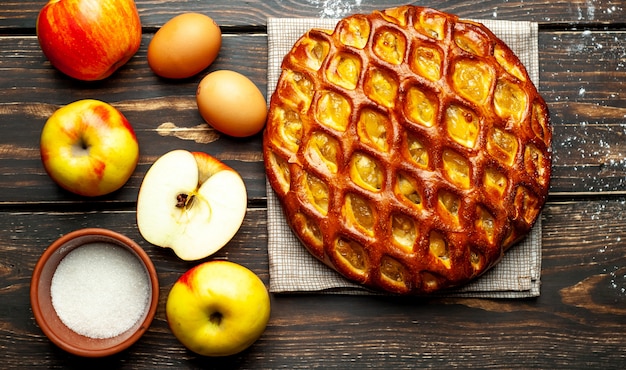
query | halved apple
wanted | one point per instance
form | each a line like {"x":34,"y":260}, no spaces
{"x":192,"y":203}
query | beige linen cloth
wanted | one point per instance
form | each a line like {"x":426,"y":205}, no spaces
{"x":294,"y":270}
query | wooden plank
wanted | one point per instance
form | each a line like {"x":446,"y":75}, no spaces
{"x":583,"y":78}
{"x":576,"y":322}
{"x":587,"y":109}
{"x":573,"y":322}
{"x":20,"y":16}
{"x":29,"y":77}
{"x":163,"y":114}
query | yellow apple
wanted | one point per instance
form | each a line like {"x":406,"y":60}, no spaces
{"x":218,"y":308}
{"x":89,"y":148}
{"x":89,"y":39}
{"x":192,"y":203}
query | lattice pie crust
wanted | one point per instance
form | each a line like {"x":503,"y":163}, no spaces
{"x":409,"y":148}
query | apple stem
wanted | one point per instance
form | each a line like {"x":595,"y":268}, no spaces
{"x":216,"y":318}
{"x":83,"y":144}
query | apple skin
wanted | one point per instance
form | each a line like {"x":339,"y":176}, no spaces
{"x":218,"y":308}
{"x":89,"y":148}
{"x":213,"y":210}
{"x":89,"y":39}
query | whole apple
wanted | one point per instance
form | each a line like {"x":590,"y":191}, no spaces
{"x":218,"y":308}
{"x":89,"y":148}
{"x":192,"y":203}
{"x":89,"y":39}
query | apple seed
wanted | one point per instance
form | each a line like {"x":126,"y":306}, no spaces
{"x":184,"y":200}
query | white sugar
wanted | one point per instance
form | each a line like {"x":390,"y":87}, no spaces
{"x":100,"y":290}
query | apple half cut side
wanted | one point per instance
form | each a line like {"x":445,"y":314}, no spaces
{"x":192,"y":203}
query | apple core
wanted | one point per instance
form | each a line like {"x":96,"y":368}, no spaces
{"x":192,"y":203}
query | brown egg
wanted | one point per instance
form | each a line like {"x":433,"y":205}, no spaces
{"x":184,"y":46}
{"x":231,"y":103}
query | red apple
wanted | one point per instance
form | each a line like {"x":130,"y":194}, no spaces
{"x":89,"y":39}
{"x":89,"y":148}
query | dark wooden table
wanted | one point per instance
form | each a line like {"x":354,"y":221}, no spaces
{"x":579,"y":321}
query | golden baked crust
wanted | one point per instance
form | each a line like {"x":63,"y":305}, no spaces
{"x":409,"y":148}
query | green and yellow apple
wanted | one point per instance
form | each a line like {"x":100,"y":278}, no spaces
{"x":218,"y":308}
{"x":89,"y":39}
{"x":89,"y":148}
{"x":192,"y":203}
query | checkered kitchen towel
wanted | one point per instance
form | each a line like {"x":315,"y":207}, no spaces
{"x":293,"y":269}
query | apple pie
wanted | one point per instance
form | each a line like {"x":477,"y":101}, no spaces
{"x":409,"y":148}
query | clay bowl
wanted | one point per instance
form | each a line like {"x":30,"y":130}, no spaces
{"x":49,"y":321}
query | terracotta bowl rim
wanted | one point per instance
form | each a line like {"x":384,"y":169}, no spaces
{"x":111,"y":346}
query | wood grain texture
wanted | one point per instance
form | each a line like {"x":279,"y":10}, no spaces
{"x":577,"y":319}
{"x":21,"y":15}
{"x":577,"y":322}
{"x":587,"y":111}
